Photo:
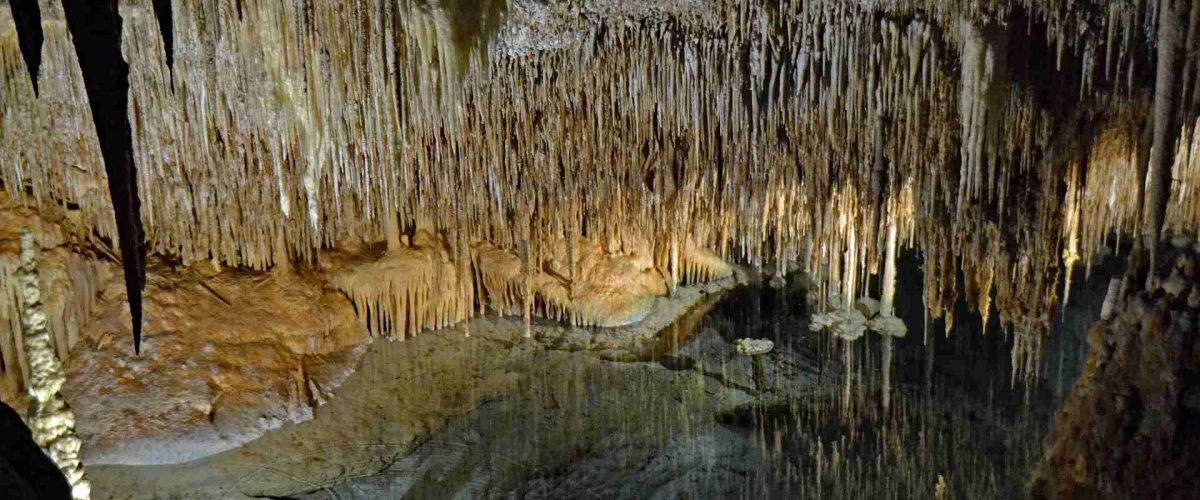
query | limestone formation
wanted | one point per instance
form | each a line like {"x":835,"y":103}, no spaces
{"x":52,"y":421}
{"x":1127,"y":428}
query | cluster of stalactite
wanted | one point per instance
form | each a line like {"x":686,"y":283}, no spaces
{"x":409,"y":289}
{"x":418,"y":283}
{"x":766,"y":132}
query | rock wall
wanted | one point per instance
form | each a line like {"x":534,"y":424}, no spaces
{"x":1130,"y":428}
{"x":228,"y":354}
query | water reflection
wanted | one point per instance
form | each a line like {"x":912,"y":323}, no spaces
{"x":693,"y":419}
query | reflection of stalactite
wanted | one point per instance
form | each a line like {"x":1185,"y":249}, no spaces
{"x":886,"y":309}
{"x":52,"y":422}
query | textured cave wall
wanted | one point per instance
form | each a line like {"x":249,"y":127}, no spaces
{"x":765,"y":132}
{"x":1003,"y":139}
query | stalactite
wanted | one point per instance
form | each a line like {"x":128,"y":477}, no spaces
{"x":27,"y":18}
{"x":1070,"y":253}
{"x":1106,"y":208}
{"x":1183,"y":209}
{"x":609,"y":289}
{"x":747,"y":134}
{"x":983,"y":87}
{"x":408,"y":290}
{"x":96,"y":31}
{"x":162,"y":12}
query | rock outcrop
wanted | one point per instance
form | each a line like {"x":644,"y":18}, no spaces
{"x":1130,"y":427}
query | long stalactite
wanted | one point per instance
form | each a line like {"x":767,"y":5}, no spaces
{"x":96,"y":32}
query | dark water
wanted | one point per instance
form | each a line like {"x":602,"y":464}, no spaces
{"x":697,"y":420}
{"x":959,"y":416}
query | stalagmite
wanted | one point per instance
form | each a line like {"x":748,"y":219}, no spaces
{"x":52,"y":422}
{"x":1110,"y":298}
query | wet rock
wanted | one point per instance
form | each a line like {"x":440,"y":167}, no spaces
{"x":710,"y":464}
{"x":576,"y":339}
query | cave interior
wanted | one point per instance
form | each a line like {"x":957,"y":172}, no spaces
{"x":600,"y":249}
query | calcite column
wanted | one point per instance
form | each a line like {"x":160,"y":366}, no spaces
{"x":52,"y":422}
